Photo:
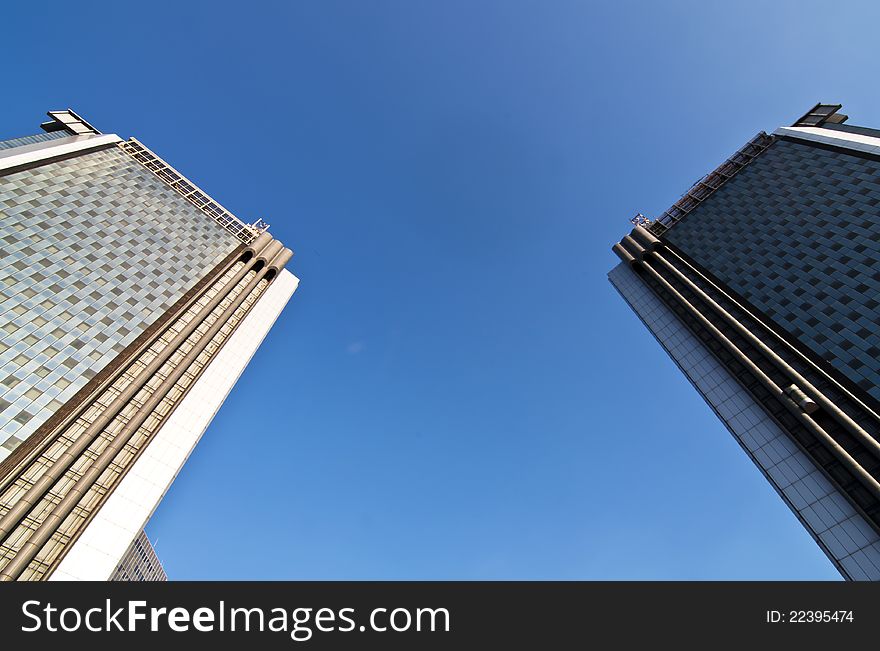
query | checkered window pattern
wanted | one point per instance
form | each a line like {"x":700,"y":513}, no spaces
{"x":797,"y":233}
{"x":93,"y":249}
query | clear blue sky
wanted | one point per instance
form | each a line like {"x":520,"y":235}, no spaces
{"x":447,"y":395}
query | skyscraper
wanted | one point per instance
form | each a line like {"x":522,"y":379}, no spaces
{"x":139,"y":563}
{"x":763,"y":284}
{"x":130,"y":303}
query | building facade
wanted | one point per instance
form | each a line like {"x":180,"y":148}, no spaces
{"x":763,"y":284}
{"x":130,"y":303}
{"x":139,"y":563}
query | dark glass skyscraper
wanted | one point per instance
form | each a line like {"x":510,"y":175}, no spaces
{"x":763,"y":284}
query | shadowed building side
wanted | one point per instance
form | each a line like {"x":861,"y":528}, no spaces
{"x":762,"y":283}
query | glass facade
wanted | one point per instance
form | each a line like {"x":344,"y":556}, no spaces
{"x":94,"y":249}
{"x":53,"y":453}
{"x":796,"y":234}
{"x":763,"y":284}
{"x":139,"y":563}
{"x":109,"y":533}
{"x":30,"y":140}
{"x":842,"y":533}
{"x":121,"y":282}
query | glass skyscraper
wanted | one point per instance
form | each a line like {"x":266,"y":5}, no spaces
{"x":130,"y":302}
{"x":139,"y":563}
{"x":763,"y":284}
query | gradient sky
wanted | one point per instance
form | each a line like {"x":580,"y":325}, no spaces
{"x":455,"y":390}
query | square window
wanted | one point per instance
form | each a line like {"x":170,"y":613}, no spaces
{"x":10,"y":381}
{"x":12,"y":442}
{"x":23,"y":417}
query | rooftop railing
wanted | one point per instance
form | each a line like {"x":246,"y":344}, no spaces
{"x":192,"y":193}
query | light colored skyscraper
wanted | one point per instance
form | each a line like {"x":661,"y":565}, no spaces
{"x":130,"y":303}
{"x":139,"y":563}
{"x":763,"y":284}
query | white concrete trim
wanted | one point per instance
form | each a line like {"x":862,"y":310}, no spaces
{"x":96,"y":553}
{"x":39,"y":151}
{"x":854,"y":141}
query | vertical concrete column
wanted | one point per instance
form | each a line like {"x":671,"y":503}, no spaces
{"x":270,"y":261}
{"x":13,"y":517}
